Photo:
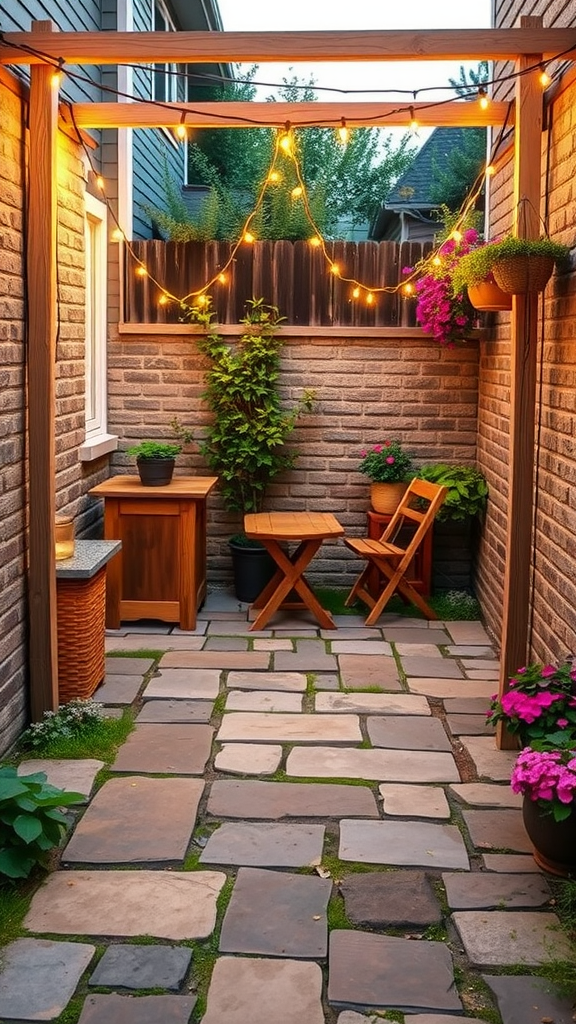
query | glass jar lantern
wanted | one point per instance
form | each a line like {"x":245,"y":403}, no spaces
{"x":63,"y":537}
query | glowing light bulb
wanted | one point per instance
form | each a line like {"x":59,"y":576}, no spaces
{"x":408,"y":289}
{"x":100,"y":182}
{"x":162,"y":300}
{"x":297,"y":192}
{"x":181,"y":132}
{"x":315,"y":241}
{"x":356,"y":293}
{"x":335,"y":269}
{"x":436,"y":261}
{"x":286,"y":143}
{"x":222,"y":278}
{"x":117,"y":235}
{"x":249,"y":237}
{"x":56,"y":79}
{"x":456,"y":235}
{"x":490,"y":170}
{"x":202,"y":300}
{"x":141,"y":271}
{"x":544,"y":78}
{"x":414,"y":126}
{"x":343,"y":133}
{"x":273,"y":177}
{"x":483,"y":98}
{"x":370,"y":299}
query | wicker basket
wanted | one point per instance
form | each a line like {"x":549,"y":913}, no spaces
{"x":386,"y":497}
{"x":81,"y":606}
{"x":521,"y":274}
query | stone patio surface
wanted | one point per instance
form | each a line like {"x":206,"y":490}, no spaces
{"x":305,"y":827}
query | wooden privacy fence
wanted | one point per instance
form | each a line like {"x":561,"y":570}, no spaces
{"x":294,"y":276}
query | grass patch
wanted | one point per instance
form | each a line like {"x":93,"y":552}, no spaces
{"x":219,"y":705}
{"x":336,"y":913}
{"x":99,"y":739}
{"x":452,"y":605}
{"x":14,"y":903}
{"x":142,"y":652}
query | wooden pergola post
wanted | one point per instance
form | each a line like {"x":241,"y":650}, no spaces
{"x":523,"y":345}
{"x":41,"y":271}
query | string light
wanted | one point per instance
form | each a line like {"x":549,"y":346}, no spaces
{"x":356,"y":292}
{"x":370,"y":298}
{"x":297,"y":192}
{"x":489,"y":170}
{"x":100,"y":182}
{"x":141,"y":271}
{"x":483,"y":98}
{"x":315,"y":241}
{"x":286,"y":140}
{"x":222,"y":278}
{"x":456,"y":235}
{"x":117,"y":235}
{"x":163,"y":300}
{"x":414,"y":126}
{"x":249,"y":237}
{"x":273,"y":177}
{"x":181,"y":130}
{"x":408,"y":288}
{"x":343,"y":133}
{"x":335,"y":269}
{"x":544,"y":77}
{"x":436,"y":261}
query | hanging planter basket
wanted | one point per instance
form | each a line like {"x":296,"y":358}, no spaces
{"x":487,"y":296}
{"x":519,"y":275}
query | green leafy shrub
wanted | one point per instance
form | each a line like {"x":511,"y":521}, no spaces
{"x":31,"y":823}
{"x":69,"y":720}
{"x":467,"y":490}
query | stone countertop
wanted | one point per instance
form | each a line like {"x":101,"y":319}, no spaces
{"x":89,"y":556}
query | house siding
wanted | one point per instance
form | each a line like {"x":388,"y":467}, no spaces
{"x":552,"y":621}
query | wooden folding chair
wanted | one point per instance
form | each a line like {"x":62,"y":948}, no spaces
{"x":390,"y":559}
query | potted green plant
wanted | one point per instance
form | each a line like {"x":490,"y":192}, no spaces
{"x":456,"y":527}
{"x":518,"y":265}
{"x":388,"y":467}
{"x":245,"y":442}
{"x":473,"y":274}
{"x":156,"y":459}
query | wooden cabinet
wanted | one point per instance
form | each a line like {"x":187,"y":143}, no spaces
{"x":421,"y":569}
{"x":161,"y":570}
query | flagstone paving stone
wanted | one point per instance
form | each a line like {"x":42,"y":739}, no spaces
{"x":402,"y":843}
{"x":135,"y":967}
{"x":272,"y":645}
{"x":326,"y":681}
{"x":134,"y":642}
{"x":116,"y":1009}
{"x":463,"y":632}
{"x":163,"y":904}
{"x":434,"y":668}
{"x":490,"y":664}
{"x":290,"y":682}
{"x":246,"y":990}
{"x":128,"y":666}
{"x":392,"y":899}
{"x":248,"y":758}
{"x":118,"y":689}
{"x":509,"y":862}
{"x":434,"y":634}
{"x":359,"y":632}
{"x":470,"y":651}
{"x":263,"y":700}
{"x":230,"y":798}
{"x":306,"y":659}
{"x":274,"y":913}
{"x":414,"y":801}
{"x":390,"y":973}
{"x":483,"y":794}
{"x":359,"y":671}
{"x":226,"y":643}
{"x":466,"y":706}
{"x":176,"y":711}
{"x":373,"y":703}
{"x":419,"y":650}
{"x":413,"y":733}
{"x":522,"y":999}
{"x":497,"y":829}
{"x":242,"y":660}
{"x":364,"y":647}
{"x":507,"y":937}
{"x":75,"y":776}
{"x":285,"y":728}
{"x":490,"y":763}
{"x":379,"y":764}
{"x":38,"y":977}
{"x":442,"y":1018}
{"x":482,"y":891}
{"x":264,"y":845}
{"x":175,"y":748}
{"x":438,"y":687}
{"x":470,"y":725}
{"x":183,"y":684}
{"x":485,"y":673}
{"x":136,"y":820}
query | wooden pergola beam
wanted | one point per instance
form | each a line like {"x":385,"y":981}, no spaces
{"x":262,"y":47}
{"x":274,"y":115}
{"x":41,"y":272}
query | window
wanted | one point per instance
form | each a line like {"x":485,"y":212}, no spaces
{"x":97,"y":441}
{"x":164,"y":80}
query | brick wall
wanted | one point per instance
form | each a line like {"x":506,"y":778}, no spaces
{"x":72,"y":478}
{"x":366,"y":390}
{"x":552,"y":626}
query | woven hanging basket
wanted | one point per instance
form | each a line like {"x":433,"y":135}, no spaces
{"x":488,"y":296}
{"x":520,"y":274}
{"x":386,"y":497}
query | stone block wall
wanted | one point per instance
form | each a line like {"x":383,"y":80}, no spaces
{"x":367,"y":390}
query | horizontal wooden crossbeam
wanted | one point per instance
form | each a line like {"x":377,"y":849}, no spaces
{"x":262,"y":47}
{"x":246,"y":115}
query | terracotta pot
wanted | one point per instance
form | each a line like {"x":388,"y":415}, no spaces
{"x":386,"y":497}
{"x":521,"y":274}
{"x":554,"y":842}
{"x":488,"y":296}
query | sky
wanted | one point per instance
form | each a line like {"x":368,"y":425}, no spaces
{"x":301,"y":15}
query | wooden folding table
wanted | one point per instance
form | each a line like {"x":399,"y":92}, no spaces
{"x":308,"y":529}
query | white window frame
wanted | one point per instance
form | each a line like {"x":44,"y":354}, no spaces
{"x":170,"y":79}
{"x":97,"y":439}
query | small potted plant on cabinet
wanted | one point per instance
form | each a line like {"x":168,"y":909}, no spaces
{"x":156,"y":459}
{"x":245,"y":443}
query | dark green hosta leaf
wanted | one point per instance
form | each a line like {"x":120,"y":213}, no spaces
{"x":27,"y":827}
{"x":14,"y":864}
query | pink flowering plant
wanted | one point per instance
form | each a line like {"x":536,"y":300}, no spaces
{"x":386,"y":463}
{"x":540,"y":706}
{"x":548,"y":777}
{"x":441,"y":310}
